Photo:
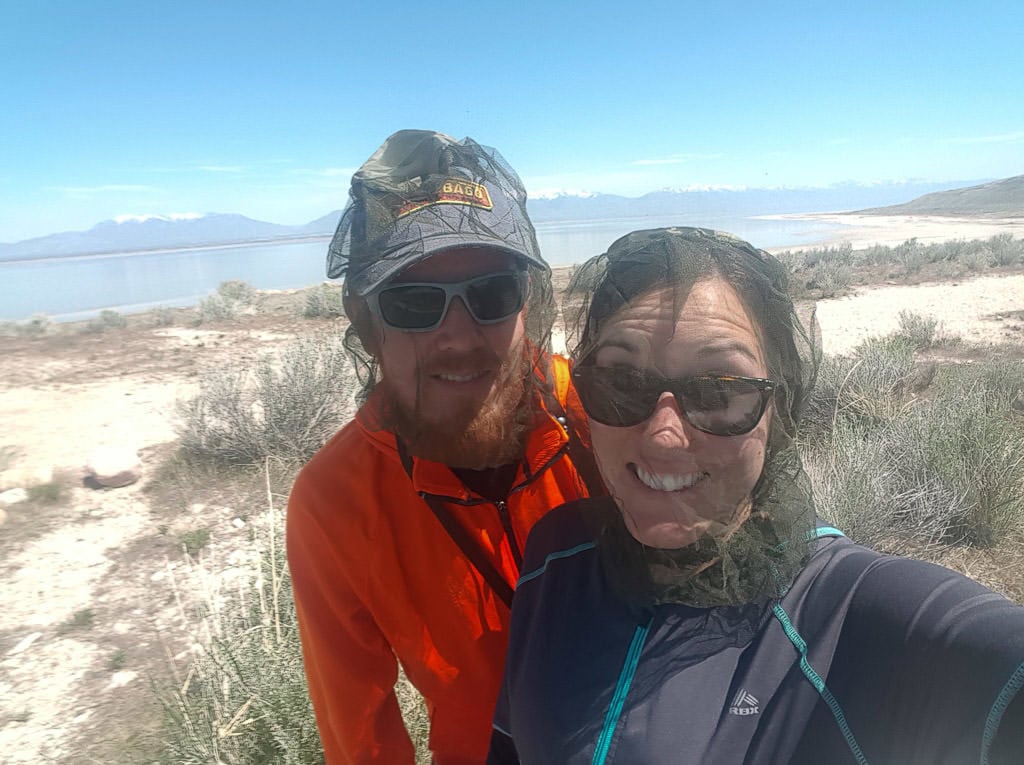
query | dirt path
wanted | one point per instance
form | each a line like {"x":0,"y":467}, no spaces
{"x":115,"y":556}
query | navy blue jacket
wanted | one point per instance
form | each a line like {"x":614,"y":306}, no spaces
{"x":867,"y":658}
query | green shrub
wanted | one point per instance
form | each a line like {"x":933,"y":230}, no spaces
{"x":244,"y":699}
{"x":37,"y":326}
{"x":108,"y":319}
{"x":878,"y":255}
{"x":919,"y":331}
{"x":860,"y":486}
{"x":941,"y":470}
{"x":80,"y":620}
{"x":1005,"y":250}
{"x":217,"y":308}
{"x":230,"y":299}
{"x":872,"y":386}
{"x":976,"y":260}
{"x":117,"y":660}
{"x":975,"y":454}
{"x":284,"y":406}
{"x":998,"y":382}
{"x":911,"y":255}
{"x":830,"y":277}
{"x":49,"y":493}
{"x":237,"y":291}
{"x":323,"y":301}
{"x":163,"y":316}
{"x":195,"y":540}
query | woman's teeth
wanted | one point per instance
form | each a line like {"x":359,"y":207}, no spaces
{"x":660,"y":482}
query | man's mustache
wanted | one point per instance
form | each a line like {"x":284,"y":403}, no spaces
{"x":457,"y":362}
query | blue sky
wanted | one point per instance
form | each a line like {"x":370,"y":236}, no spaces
{"x":146,"y":107}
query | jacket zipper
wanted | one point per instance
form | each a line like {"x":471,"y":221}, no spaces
{"x":502,"y":505}
{"x":506,"y":521}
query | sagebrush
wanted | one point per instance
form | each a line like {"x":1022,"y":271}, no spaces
{"x":244,"y":698}
{"x":286,"y":405}
{"x":906,"y":454}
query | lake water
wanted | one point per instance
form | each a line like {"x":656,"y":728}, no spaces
{"x":69,"y":289}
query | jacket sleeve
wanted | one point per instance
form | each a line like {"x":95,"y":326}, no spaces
{"x":936,"y":656}
{"x":350,"y":666}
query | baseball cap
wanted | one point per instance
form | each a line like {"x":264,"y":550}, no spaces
{"x":423,"y":192}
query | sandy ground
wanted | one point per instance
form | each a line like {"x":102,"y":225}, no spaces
{"x":891,"y":230}
{"x":987,"y":309}
{"x":62,"y":397}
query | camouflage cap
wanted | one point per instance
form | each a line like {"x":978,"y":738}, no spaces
{"x":423,"y":192}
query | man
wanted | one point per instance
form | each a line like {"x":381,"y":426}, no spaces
{"x":405,"y":531}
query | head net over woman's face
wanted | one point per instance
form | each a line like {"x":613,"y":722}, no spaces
{"x":687,"y":359}
{"x":693,"y":276}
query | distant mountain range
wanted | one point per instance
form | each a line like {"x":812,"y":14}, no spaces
{"x":1003,"y":198}
{"x":997,"y":199}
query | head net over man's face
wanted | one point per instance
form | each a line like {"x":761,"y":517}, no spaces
{"x":456,"y":394}
{"x":422,"y":193}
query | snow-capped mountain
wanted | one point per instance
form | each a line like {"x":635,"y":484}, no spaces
{"x":155,"y":232}
{"x":149,"y":232}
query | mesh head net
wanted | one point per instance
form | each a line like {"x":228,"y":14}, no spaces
{"x":757,"y":560}
{"x":421,"y":193}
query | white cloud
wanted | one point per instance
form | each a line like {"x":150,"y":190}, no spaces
{"x":998,"y":138}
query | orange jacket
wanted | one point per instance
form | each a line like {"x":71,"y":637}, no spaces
{"x":376,"y":577}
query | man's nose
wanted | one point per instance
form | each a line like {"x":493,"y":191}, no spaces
{"x":458,"y":328}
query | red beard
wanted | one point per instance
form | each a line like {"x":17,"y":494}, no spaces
{"x":474,"y":434}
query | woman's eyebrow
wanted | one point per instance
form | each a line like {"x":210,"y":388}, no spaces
{"x":734,"y":346}
{"x":620,"y":342}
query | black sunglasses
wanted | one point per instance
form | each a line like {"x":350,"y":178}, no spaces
{"x":723,"y":405}
{"x":422,"y":306}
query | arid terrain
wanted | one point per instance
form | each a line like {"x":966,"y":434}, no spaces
{"x":98,"y":586}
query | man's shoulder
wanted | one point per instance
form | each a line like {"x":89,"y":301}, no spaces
{"x":346,"y":466}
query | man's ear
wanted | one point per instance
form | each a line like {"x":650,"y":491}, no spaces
{"x":361,"y":319}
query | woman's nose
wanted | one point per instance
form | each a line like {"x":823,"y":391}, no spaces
{"x":667,"y":428}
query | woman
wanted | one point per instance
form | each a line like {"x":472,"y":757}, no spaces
{"x":701,"y":614}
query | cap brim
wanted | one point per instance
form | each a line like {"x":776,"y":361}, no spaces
{"x":417,"y":252}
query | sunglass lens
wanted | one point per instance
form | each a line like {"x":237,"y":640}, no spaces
{"x":616,"y":396}
{"x":493,"y":298}
{"x":721,"y":405}
{"x":413,"y":306}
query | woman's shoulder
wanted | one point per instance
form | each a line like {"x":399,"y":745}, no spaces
{"x":899,"y":600}
{"x":566,"y":530}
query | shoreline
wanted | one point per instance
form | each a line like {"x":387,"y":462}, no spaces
{"x":863,"y":231}
{"x":858,"y":230}
{"x":162,"y":250}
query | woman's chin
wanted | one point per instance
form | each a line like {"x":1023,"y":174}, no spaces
{"x":667,"y":536}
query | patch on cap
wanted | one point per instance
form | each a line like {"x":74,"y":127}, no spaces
{"x":454,"y":191}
